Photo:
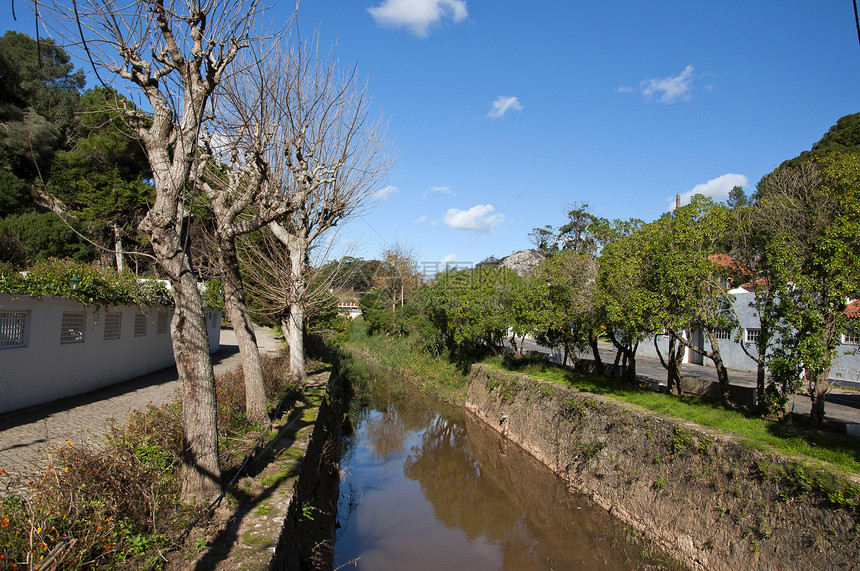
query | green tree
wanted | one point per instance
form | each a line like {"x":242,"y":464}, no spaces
{"x":686,"y":284}
{"x":104,"y":180}
{"x":737,"y":198}
{"x":624,"y":301}
{"x":558,"y":305}
{"x":15,"y":197}
{"x":26,"y":239}
{"x":812,"y":213}
{"x":39,"y":92}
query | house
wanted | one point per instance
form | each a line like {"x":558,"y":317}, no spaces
{"x":845,"y":368}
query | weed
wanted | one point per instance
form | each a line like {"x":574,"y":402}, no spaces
{"x":659,"y":484}
{"x":681,"y":440}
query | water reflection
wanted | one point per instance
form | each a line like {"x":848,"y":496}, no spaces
{"x":424,"y":488}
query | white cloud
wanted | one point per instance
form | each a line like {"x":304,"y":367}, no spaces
{"x":502,"y":105}
{"x":717,"y":188}
{"x":672,"y":88}
{"x":479,"y":217}
{"x":384,"y":193}
{"x":418,"y":15}
{"x":448,"y":259}
{"x":420,"y":219}
{"x":624,"y":89}
{"x":437,"y":189}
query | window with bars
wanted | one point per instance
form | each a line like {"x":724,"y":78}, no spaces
{"x":723,"y":333}
{"x":851,"y":337}
{"x":163,"y":321}
{"x":13,"y":329}
{"x":113,"y":322}
{"x":751,"y":335}
{"x":72,"y":327}
{"x":139,"y":325}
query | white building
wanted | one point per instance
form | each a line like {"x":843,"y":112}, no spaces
{"x":55,"y":347}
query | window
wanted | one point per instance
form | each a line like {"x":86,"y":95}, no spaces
{"x":72,"y":327}
{"x":851,"y":337}
{"x":751,"y":335}
{"x":723,"y":333}
{"x":13,"y":329}
{"x":162,"y":321}
{"x":113,"y":321}
{"x":139,"y":325}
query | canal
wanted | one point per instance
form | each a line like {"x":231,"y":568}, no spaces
{"x":428,"y":486}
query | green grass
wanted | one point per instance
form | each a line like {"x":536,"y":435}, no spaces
{"x":435,"y":373}
{"x":838,"y":451}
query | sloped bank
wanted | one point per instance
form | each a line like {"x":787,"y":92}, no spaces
{"x":701,"y":494}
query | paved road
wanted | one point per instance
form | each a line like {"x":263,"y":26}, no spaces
{"x":28,"y":436}
{"x":842,"y":406}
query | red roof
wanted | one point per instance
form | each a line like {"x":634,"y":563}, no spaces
{"x":852,"y":310}
{"x":729,"y":263}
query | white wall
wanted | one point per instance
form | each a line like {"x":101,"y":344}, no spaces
{"x":46,"y":369}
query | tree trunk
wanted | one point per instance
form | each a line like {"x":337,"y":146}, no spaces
{"x":595,"y":350}
{"x":256,"y":407}
{"x":628,"y":352}
{"x":818,"y":392}
{"x":722,"y":373}
{"x":571,"y":353}
{"x":117,"y":236}
{"x":296,"y":321}
{"x":672,"y":363}
{"x":200,"y":476}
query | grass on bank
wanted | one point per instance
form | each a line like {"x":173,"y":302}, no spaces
{"x":435,"y":373}
{"x":840,"y":452}
{"x":117,"y":506}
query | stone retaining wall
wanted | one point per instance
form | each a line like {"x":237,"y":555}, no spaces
{"x":701,"y":494}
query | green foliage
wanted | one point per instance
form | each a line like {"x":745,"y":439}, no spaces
{"x":96,"y":286}
{"x":15,"y":197}
{"x":213,"y":294}
{"x":27,"y":239}
{"x":399,"y":353}
{"x":682,"y":438}
{"x":38,"y":102}
{"x":377,"y":312}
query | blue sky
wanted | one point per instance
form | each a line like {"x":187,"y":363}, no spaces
{"x":504,"y":112}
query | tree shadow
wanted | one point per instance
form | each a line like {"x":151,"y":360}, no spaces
{"x":223,"y":542}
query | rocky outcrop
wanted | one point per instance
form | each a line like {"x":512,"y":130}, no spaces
{"x":523,"y":262}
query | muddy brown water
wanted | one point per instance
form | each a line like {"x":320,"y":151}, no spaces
{"x":426,"y":486}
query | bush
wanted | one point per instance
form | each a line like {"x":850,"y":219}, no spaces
{"x":116,"y":506}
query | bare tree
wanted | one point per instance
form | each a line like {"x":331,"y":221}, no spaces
{"x":174,"y":56}
{"x":269,"y":277}
{"x":397,"y":274}
{"x":235,"y":175}
{"x":333,"y":155}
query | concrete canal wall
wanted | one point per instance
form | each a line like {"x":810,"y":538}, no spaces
{"x":704,"y":496}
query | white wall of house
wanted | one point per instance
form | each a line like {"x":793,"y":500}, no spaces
{"x":845,"y":367}
{"x":66,"y":349}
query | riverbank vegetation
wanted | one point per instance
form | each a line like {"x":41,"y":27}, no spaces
{"x":403,"y":354}
{"x":794,"y":244}
{"x":116,"y":504}
{"x":838,"y":451}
